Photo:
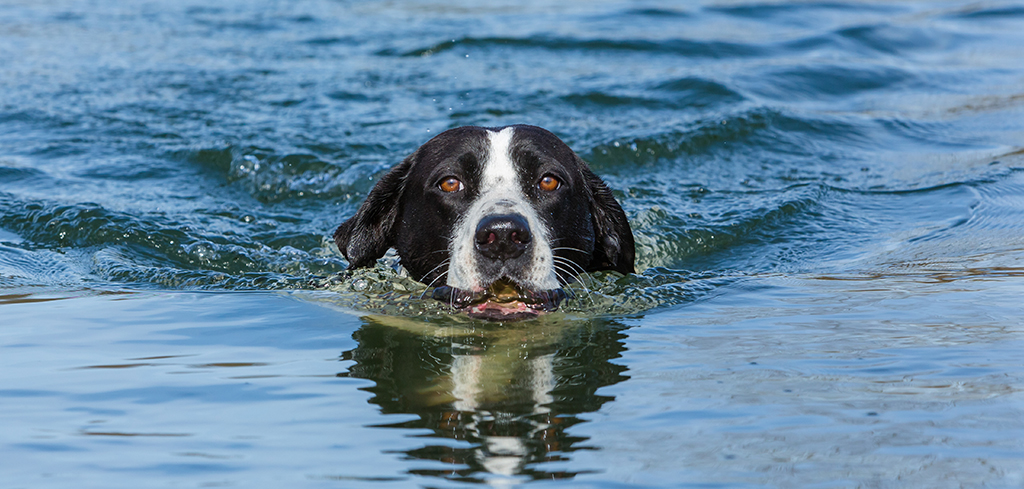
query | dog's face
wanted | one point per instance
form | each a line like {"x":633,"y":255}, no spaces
{"x":498,"y":219}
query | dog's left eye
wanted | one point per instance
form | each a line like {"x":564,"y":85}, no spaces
{"x":450,"y":184}
{"x":548,"y":183}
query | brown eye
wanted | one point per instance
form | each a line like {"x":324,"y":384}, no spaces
{"x":450,"y":184}
{"x":549,"y":183}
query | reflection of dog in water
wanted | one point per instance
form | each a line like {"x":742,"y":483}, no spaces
{"x":512,"y":394}
{"x":498,"y":219}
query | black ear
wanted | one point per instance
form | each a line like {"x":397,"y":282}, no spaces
{"x":366,"y":236}
{"x":614,"y":248}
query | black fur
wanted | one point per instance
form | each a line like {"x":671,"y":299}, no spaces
{"x":407,"y":212}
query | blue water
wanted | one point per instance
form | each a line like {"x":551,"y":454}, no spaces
{"x":827,"y":199}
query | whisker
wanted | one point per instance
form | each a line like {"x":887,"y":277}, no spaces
{"x":572,"y":293}
{"x":567,"y":261}
{"x":443,"y":263}
{"x":438,"y":277}
{"x":564,"y":281}
{"x":568,"y":249}
{"x":451,"y":301}
{"x":576,"y":267}
{"x":431,"y":284}
{"x":590,"y":294}
{"x":578,"y":271}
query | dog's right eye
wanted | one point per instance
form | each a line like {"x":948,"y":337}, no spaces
{"x":450,"y":184}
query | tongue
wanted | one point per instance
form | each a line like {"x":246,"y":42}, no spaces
{"x":500,"y":307}
{"x":501,"y":311}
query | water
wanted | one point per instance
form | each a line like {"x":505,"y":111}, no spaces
{"x":826,"y":198}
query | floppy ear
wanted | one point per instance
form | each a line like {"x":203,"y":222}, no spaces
{"x":366,"y":236}
{"x":614,"y":248}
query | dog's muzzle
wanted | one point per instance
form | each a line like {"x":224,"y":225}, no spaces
{"x":501,"y":243}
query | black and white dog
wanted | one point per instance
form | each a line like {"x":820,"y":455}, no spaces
{"x":501,"y":218}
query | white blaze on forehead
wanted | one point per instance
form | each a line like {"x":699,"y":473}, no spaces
{"x":499,"y":171}
{"x":500,"y":193}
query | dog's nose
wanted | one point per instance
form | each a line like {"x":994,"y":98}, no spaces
{"x":503,"y":237}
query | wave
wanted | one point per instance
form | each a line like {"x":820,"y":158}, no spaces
{"x":689,"y":93}
{"x":112,"y":246}
{"x":677,"y":47}
{"x":270,"y":176}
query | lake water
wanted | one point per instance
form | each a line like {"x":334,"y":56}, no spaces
{"x":827,"y":198}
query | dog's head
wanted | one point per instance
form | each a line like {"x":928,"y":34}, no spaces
{"x":499,"y":219}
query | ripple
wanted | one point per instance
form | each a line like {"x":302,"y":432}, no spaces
{"x":754,"y":130}
{"x":983,"y":239}
{"x":777,"y":12}
{"x":663,"y":13}
{"x":830,"y":80}
{"x":273,"y":177}
{"x":677,"y":47}
{"x":981,"y":12}
{"x":9,"y":174}
{"x":681,"y":94}
{"x":23,"y":267}
{"x":153,"y":250}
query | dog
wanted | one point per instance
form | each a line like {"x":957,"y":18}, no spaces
{"x":502,"y":218}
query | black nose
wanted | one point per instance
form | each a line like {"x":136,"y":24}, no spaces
{"x":502,"y":237}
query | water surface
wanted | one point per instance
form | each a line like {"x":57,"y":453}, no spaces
{"x":827,"y":198}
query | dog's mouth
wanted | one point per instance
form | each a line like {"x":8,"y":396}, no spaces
{"x":501,"y":301}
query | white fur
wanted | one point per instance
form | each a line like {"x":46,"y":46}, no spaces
{"x":499,"y":170}
{"x":501,"y":192}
